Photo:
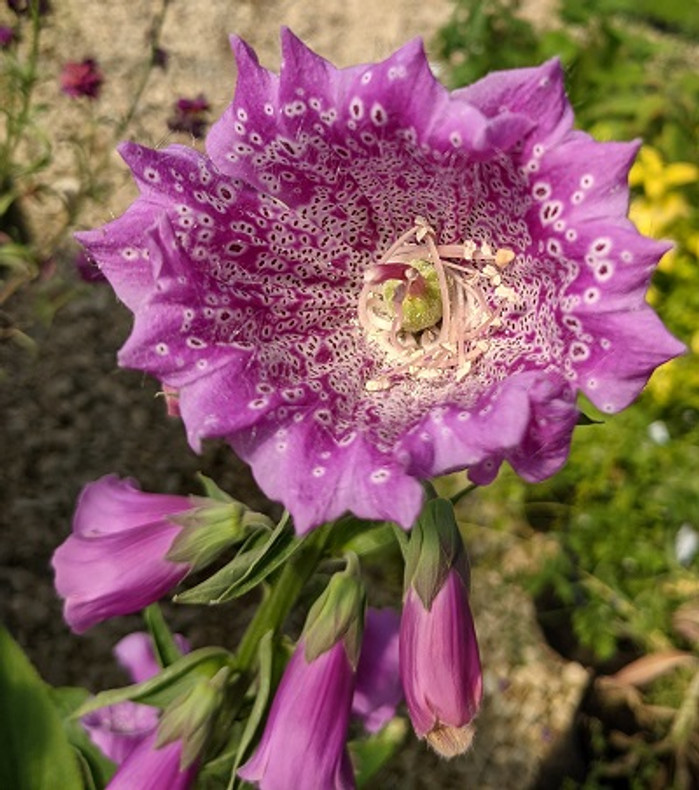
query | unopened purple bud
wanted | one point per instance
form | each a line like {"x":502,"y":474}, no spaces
{"x":303,"y":744}
{"x":160,"y":57}
{"x":151,"y":767}
{"x":440,"y":667}
{"x":189,"y":116}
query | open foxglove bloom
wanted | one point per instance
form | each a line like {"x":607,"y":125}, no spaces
{"x":371,"y":280}
{"x":114,"y":561}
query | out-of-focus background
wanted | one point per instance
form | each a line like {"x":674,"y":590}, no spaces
{"x":586,"y":587}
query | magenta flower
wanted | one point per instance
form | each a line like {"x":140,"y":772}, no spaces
{"x":303,"y":744}
{"x":114,"y":562}
{"x":189,"y":116}
{"x":378,"y":689}
{"x":440,"y":666}
{"x":371,"y":280}
{"x":7,"y":36}
{"x":82,"y":78}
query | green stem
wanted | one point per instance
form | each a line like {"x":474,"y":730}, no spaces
{"x":461,"y":494}
{"x":166,"y":649}
{"x":154,"y":40}
{"x":276,"y":606}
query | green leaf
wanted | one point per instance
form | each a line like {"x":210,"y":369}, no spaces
{"x":165,"y":687}
{"x":34,"y":749}
{"x":369,"y":755}
{"x":262,"y":554}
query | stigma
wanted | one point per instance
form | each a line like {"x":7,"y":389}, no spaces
{"x":431,"y":308}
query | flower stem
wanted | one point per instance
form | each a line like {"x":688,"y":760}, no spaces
{"x":273,"y":610}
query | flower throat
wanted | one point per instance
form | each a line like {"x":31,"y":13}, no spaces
{"x":430,"y":307}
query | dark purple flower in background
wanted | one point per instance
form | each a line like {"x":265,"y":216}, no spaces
{"x":160,"y":57}
{"x":370,"y":280}
{"x":114,"y":562}
{"x":7,"y":36}
{"x":189,"y":116}
{"x":82,"y":78}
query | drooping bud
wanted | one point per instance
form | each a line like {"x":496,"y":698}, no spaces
{"x":337,"y":615}
{"x":439,"y":661}
{"x":189,"y":718}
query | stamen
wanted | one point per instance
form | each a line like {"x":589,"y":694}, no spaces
{"x":431,"y":307}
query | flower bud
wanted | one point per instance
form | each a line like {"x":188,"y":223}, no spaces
{"x":303,"y":744}
{"x":439,"y":661}
{"x":189,"y":718}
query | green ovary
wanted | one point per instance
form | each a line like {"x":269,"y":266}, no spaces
{"x":421,"y":310}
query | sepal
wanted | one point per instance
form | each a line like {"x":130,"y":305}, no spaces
{"x":337,"y":615}
{"x":434,"y":548}
{"x":189,"y":718}
{"x":210,"y":527}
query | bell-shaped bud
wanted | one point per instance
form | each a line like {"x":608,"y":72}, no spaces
{"x":303,"y":743}
{"x":128,"y":548}
{"x":439,"y":661}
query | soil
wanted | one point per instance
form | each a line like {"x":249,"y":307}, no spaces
{"x":70,"y":415}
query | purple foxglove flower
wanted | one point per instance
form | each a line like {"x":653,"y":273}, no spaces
{"x":119,"y":729}
{"x":152,"y":768}
{"x":378,"y":689}
{"x":82,"y":78}
{"x":303,"y":744}
{"x":370,"y":280}
{"x":114,"y":561}
{"x":440,"y":666}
